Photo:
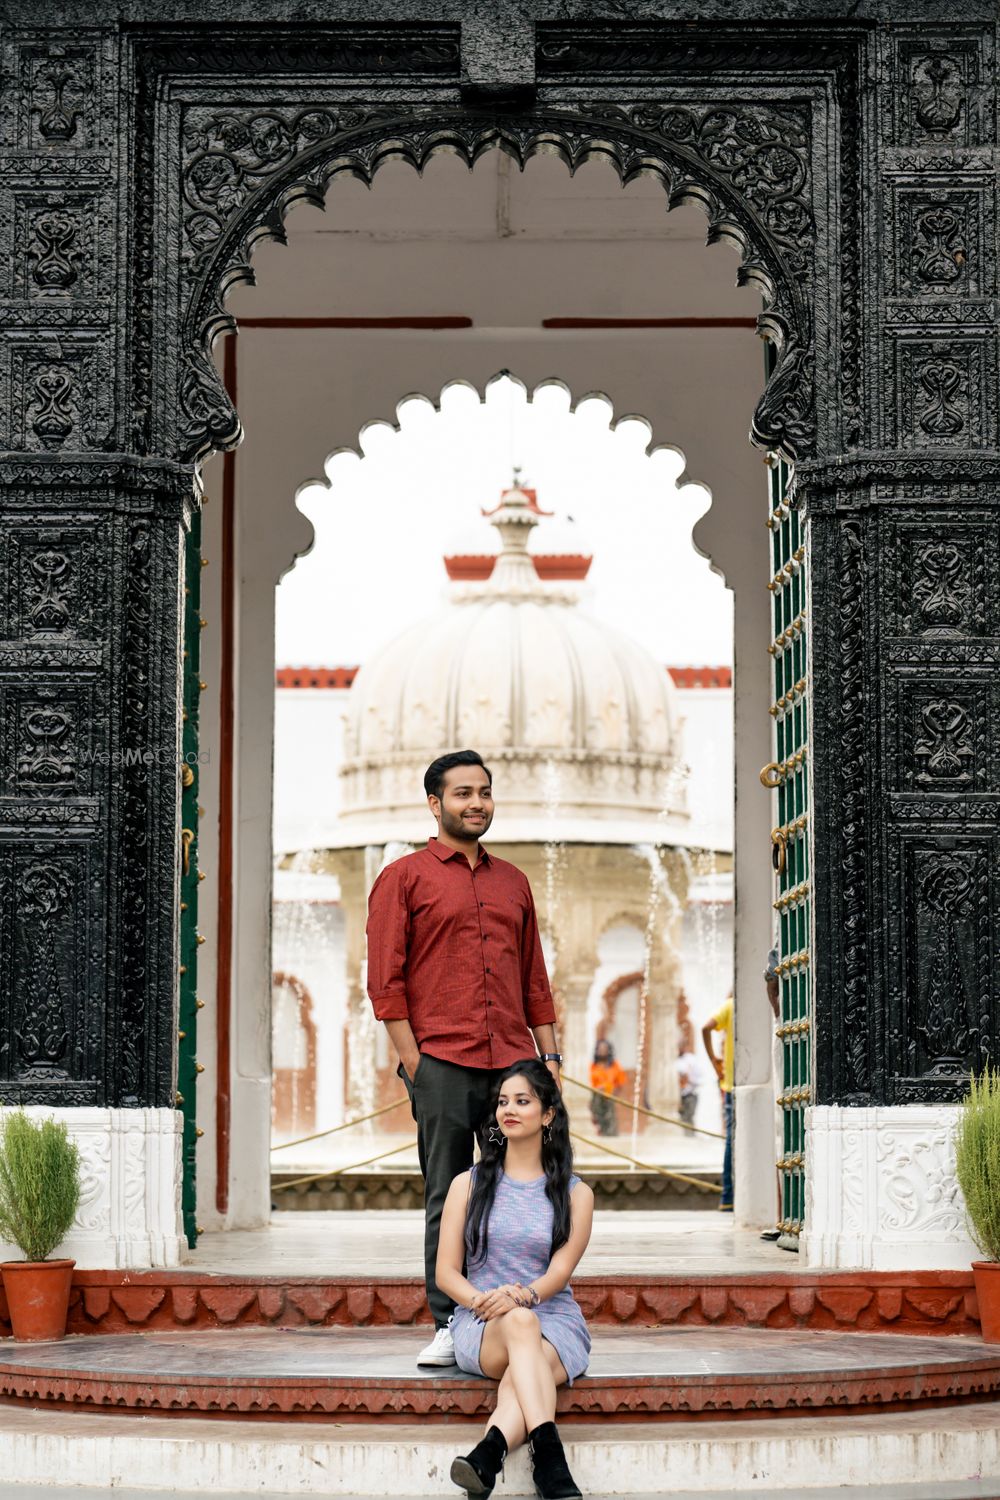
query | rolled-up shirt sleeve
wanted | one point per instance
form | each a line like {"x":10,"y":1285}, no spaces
{"x":388,"y":930}
{"x":539,"y":1009}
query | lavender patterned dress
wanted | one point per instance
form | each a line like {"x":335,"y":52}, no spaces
{"x":520,"y":1248}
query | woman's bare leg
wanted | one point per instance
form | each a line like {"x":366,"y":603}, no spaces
{"x":507,"y":1415}
{"x":514,"y":1348}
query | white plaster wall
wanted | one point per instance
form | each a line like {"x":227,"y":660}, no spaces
{"x":709,"y":750}
{"x":308,"y":753}
{"x":507,"y":251}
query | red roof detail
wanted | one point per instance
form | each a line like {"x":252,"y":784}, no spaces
{"x":470,"y":567}
{"x":687,"y":679}
{"x":315,"y":677}
{"x":551,"y":567}
{"x":691,"y":678}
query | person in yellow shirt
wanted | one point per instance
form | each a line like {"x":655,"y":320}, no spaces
{"x":607,"y":1076}
{"x":724,"y":1071}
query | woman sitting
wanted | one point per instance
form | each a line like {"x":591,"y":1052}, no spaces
{"x":520,"y":1221}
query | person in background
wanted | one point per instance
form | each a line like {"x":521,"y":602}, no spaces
{"x":689,"y":1080}
{"x":607,"y":1076}
{"x":724,"y":1071}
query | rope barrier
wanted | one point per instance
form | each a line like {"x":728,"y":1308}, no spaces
{"x":361,"y":1120}
{"x":282,"y":1187}
{"x":699,"y":1182}
{"x":666,"y":1119}
{"x":648,"y":1166}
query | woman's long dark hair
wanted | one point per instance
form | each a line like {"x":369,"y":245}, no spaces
{"x":557,"y":1161}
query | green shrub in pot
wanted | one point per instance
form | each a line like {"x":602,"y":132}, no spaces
{"x":977,"y":1160}
{"x":977,"y":1167}
{"x":39,"y":1184}
{"x":39,"y":1194}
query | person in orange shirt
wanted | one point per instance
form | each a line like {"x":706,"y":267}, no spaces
{"x":607,"y":1076}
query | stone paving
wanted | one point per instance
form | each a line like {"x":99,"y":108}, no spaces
{"x":390,"y":1243}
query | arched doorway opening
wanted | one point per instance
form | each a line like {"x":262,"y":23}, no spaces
{"x":711,"y":531}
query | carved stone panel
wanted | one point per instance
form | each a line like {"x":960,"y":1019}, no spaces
{"x":942,"y":393}
{"x":939,"y":98}
{"x":53,"y":257}
{"x":939,"y":242}
{"x":53,"y":743}
{"x":60,"y":394}
{"x":944,"y":580}
{"x":57,"y":97}
{"x":941,"y":733}
{"x":943,"y":981}
{"x":51,"y":962}
{"x":56,"y":579}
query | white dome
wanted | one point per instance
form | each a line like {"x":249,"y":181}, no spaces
{"x":577,"y":722}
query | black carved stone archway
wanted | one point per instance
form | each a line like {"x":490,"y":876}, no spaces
{"x":853,"y":159}
{"x":748,"y":166}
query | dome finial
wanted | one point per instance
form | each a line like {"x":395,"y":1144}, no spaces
{"x":514,"y":519}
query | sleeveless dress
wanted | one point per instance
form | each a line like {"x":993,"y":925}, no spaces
{"x":520,"y":1248}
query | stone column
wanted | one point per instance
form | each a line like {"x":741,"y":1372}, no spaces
{"x":92,"y":553}
{"x":905,"y":537}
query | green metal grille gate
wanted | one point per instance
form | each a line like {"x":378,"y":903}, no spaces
{"x":788,"y":776}
{"x":188,"y":1066}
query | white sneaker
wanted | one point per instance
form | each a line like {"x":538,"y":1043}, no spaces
{"x":441,"y":1349}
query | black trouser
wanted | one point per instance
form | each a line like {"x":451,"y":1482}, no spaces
{"x":449,"y":1104}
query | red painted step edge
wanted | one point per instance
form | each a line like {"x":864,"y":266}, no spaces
{"x":462,"y":1397}
{"x":882,"y":1302}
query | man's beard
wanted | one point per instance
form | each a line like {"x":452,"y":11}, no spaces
{"x":456,"y":828}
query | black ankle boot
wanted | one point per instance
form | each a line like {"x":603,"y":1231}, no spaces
{"x":553,"y":1481}
{"x":477,"y":1471}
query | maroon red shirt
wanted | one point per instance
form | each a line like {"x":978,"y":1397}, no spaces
{"x":456,"y":952}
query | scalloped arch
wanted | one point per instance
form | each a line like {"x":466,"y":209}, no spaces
{"x":434,"y":396}
{"x":747,"y":166}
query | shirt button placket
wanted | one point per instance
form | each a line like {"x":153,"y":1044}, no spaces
{"x":483,"y":936}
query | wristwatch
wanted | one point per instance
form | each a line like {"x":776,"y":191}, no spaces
{"x":555,"y":1057}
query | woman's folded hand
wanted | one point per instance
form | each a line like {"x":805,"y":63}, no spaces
{"x":494,"y":1304}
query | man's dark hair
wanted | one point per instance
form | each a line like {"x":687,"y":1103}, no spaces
{"x":436,"y":771}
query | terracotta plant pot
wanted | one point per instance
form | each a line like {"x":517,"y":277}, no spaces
{"x":37,"y":1297}
{"x":987,"y":1278}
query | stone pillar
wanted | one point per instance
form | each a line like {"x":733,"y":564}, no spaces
{"x":92,"y":553}
{"x":905,"y":545}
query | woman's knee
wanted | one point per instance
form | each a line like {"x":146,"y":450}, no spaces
{"x":521,"y":1323}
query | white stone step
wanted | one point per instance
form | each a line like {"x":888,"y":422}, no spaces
{"x":46,"y":1450}
{"x":965,"y":1489}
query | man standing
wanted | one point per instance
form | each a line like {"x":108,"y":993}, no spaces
{"x":723,"y":1021}
{"x":456,"y":972}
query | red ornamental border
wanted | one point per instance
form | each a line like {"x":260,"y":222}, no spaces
{"x":880,"y":1302}
{"x":620,"y":1396}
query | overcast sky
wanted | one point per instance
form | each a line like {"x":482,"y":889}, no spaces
{"x":385,"y":522}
